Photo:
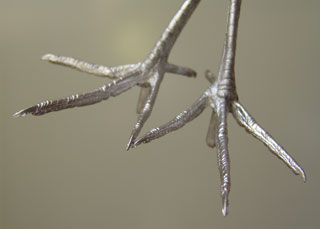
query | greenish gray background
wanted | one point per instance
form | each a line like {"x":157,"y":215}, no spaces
{"x":69,"y":169}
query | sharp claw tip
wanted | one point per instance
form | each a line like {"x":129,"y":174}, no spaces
{"x":299,"y":171}
{"x":303,"y":176}
{"x":225,"y":210}
{"x":225,"y":205}
{"x":19,"y":114}
{"x":136,"y":143}
{"x":130,"y":143}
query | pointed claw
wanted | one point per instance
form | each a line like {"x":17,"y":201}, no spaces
{"x":248,"y":122}
{"x":20,"y":113}
{"x":302,"y":174}
{"x":146,"y":109}
{"x":225,"y":205}
{"x":130,"y":143}
{"x":68,"y":102}
{"x":31,"y":110}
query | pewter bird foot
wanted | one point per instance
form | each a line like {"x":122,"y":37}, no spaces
{"x":221,"y":95}
{"x":218,"y":134}
{"x":148,"y":74}
{"x":217,"y":131}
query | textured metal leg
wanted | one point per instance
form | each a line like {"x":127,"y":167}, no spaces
{"x":146,"y":110}
{"x":179,"y":121}
{"x":126,"y":76}
{"x":223,"y":155}
{"x":223,"y":98}
{"x":221,"y":95}
{"x":113,"y":88}
{"x":75,"y":100}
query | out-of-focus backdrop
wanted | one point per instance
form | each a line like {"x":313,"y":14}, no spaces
{"x":70,"y":169}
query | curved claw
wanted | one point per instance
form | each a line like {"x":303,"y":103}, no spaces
{"x":248,"y":122}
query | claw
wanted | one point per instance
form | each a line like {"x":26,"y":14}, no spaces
{"x":130,"y":143}
{"x":225,"y":205}
{"x":148,"y":99}
{"x":20,"y":113}
{"x":31,"y":110}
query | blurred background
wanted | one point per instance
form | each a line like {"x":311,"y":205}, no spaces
{"x":70,"y":169}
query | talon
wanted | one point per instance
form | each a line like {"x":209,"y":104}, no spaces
{"x":130,"y":143}
{"x":225,"y":205}
{"x":303,"y":175}
{"x":20,"y":113}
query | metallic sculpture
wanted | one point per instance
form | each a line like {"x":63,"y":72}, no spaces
{"x":221,"y":95}
{"x":147,"y":74}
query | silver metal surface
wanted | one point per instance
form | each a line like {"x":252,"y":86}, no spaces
{"x":247,"y":121}
{"x":221,"y":95}
{"x":147,"y":74}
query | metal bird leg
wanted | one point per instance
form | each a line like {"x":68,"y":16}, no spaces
{"x":148,"y":74}
{"x":222,"y":97}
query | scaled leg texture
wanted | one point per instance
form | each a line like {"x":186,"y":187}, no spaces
{"x":221,"y":96}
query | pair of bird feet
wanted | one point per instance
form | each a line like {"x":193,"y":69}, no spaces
{"x":221,"y":96}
